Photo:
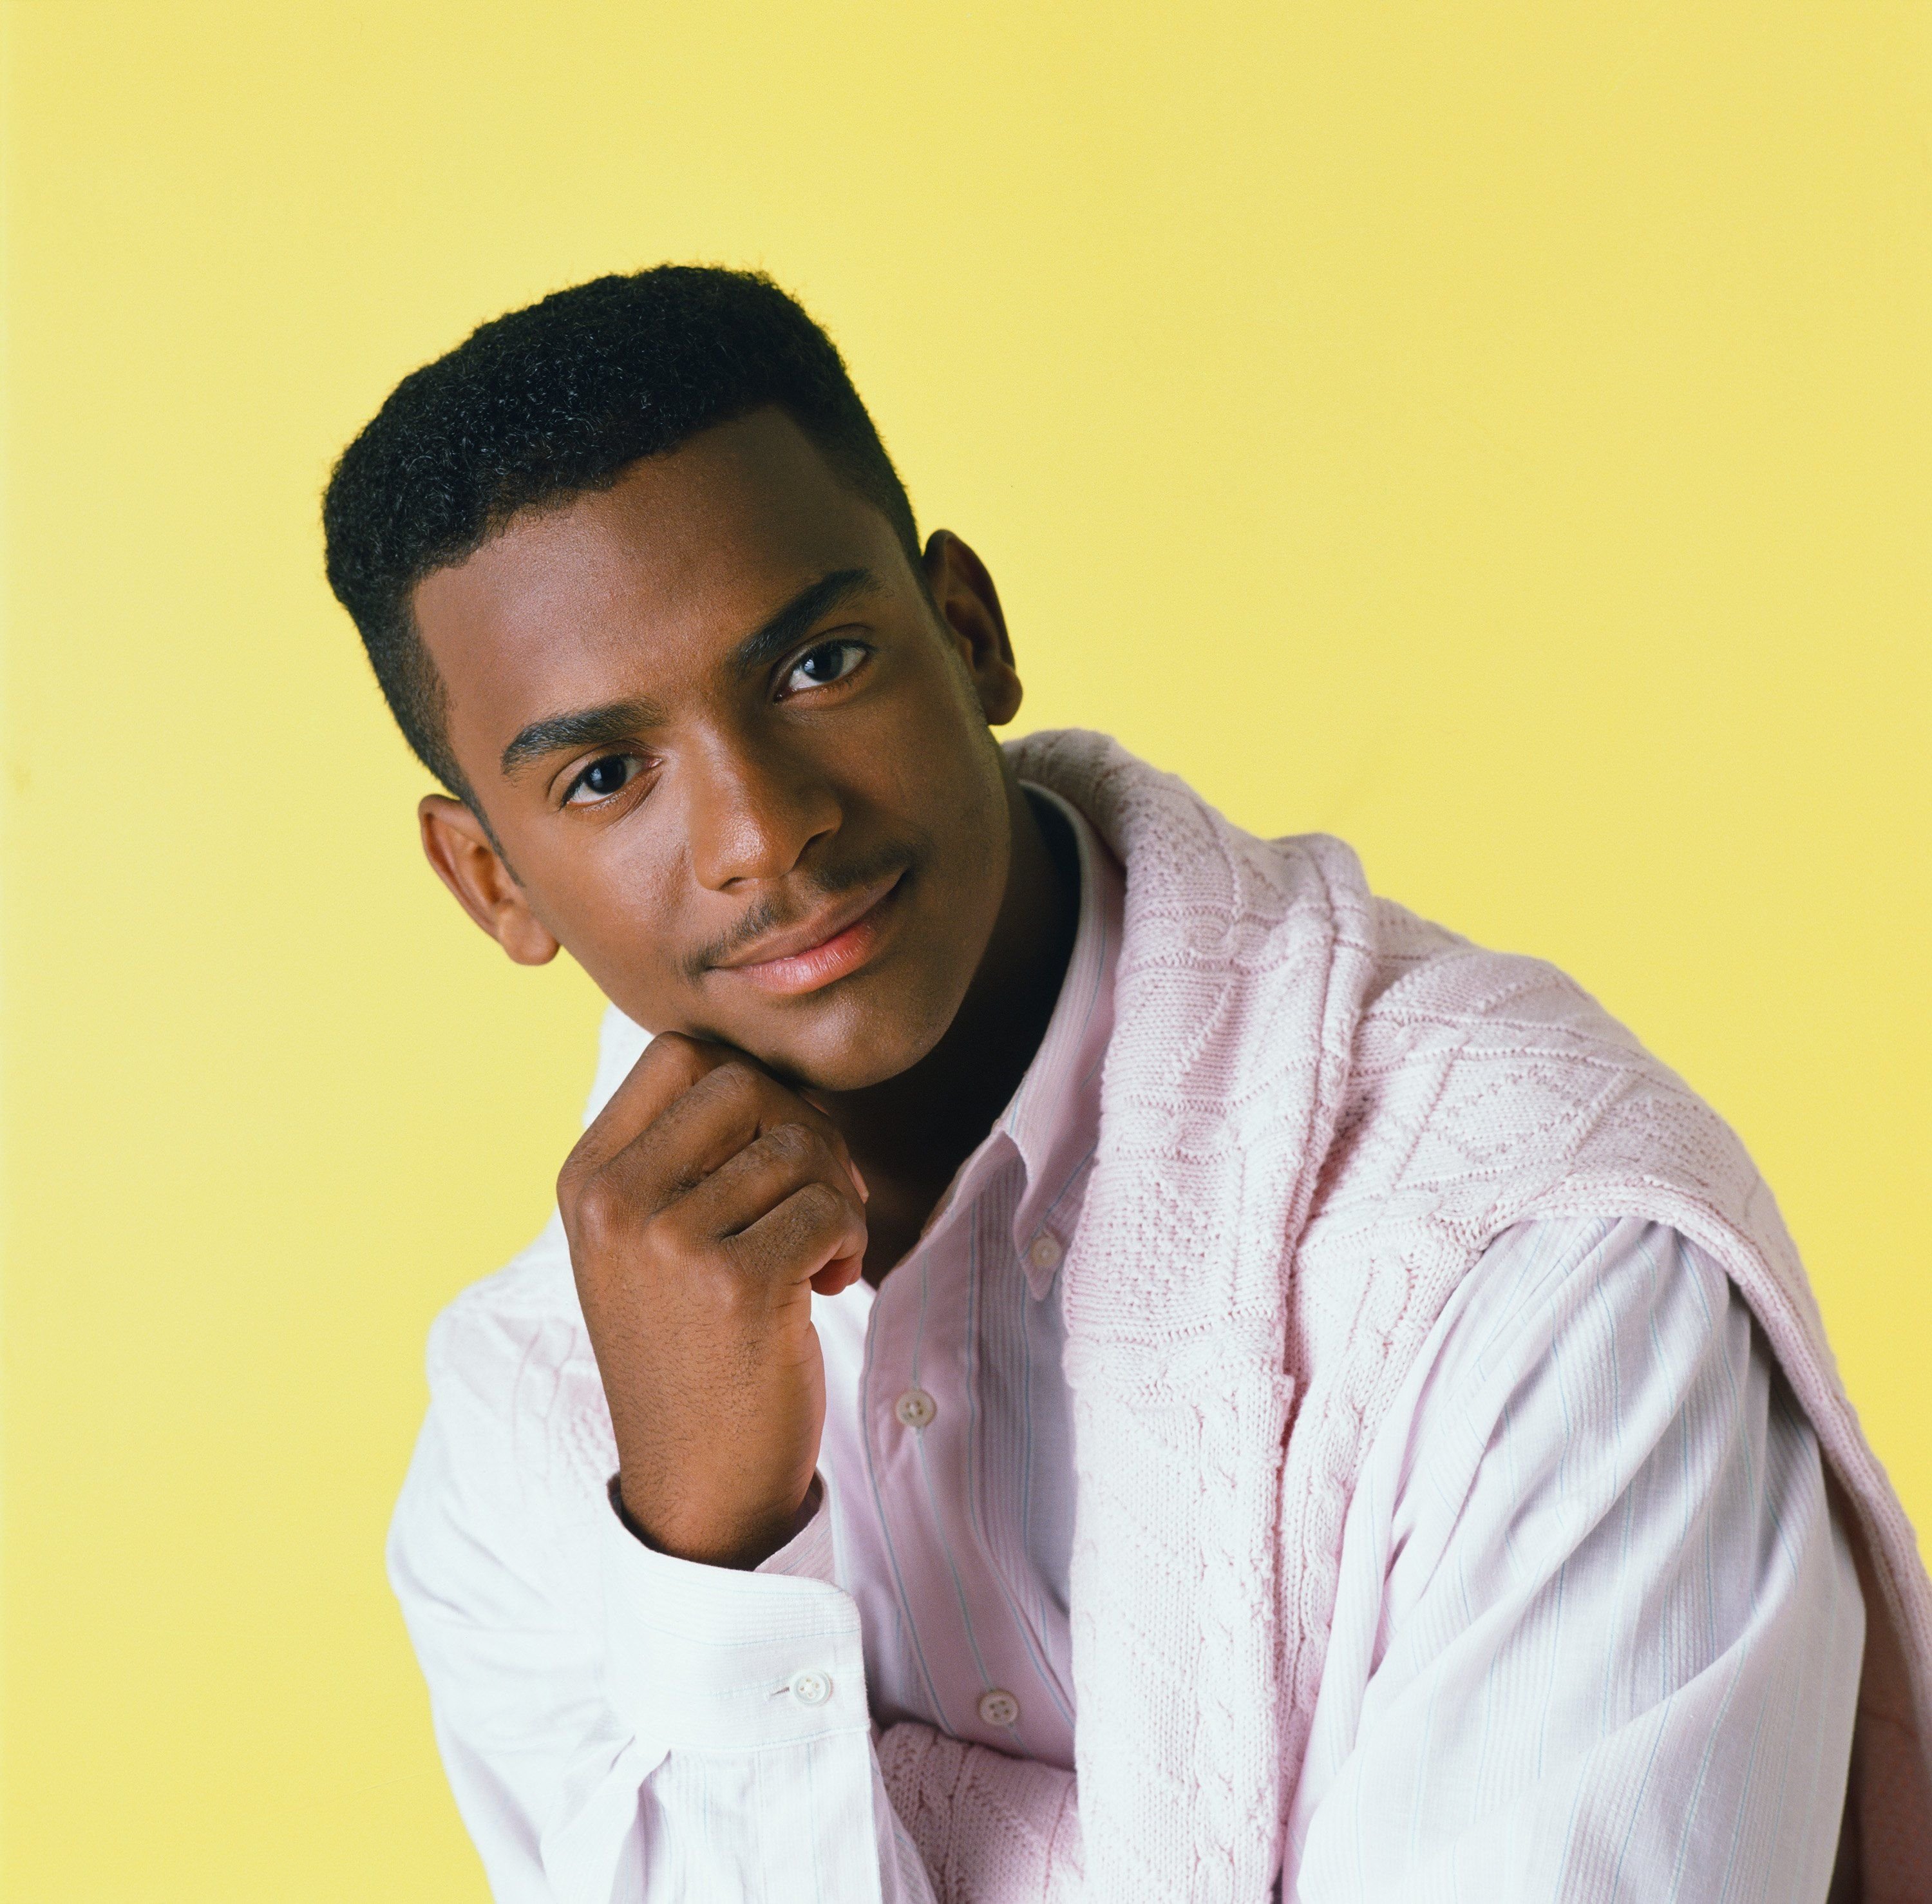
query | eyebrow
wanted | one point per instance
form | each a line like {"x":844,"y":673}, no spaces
{"x":619,"y":720}
{"x":589,"y":727}
{"x":768,"y":642}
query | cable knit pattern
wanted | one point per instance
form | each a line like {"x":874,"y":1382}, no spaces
{"x":1316,"y":1113}
{"x":989,"y":1829}
{"x":1236,"y":995}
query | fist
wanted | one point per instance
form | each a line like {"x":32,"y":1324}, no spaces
{"x":704,"y":1207}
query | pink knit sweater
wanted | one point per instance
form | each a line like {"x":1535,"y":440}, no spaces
{"x":1316,"y":1112}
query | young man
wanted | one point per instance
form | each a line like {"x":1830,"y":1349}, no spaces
{"x":1081,"y":1354}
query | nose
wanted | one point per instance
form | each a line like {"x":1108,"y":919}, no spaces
{"x":754,"y":811}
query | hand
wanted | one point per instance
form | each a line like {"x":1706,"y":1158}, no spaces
{"x":704,"y":1207}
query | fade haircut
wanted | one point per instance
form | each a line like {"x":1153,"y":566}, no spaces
{"x":555,"y":400}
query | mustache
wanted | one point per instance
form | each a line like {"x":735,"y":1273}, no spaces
{"x":822,"y":889}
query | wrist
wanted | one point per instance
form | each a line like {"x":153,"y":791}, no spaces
{"x":739,"y":1550}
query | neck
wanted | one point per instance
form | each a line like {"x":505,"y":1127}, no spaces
{"x":911,"y":1132}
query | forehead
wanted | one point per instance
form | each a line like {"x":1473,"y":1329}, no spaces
{"x":626,"y":589}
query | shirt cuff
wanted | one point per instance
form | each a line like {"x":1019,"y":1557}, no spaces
{"x":712,"y":1659}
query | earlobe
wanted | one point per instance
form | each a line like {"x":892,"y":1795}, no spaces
{"x":526,"y":942}
{"x":963,"y":592}
{"x":466,"y":859}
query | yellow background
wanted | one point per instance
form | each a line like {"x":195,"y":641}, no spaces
{"x":1497,"y":434}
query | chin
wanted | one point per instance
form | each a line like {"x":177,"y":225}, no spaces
{"x":855,"y":1042}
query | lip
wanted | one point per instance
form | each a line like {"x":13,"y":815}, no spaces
{"x":807,"y":956}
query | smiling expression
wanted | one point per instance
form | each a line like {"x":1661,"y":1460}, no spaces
{"x":736,"y":750}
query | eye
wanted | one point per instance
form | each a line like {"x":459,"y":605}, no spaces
{"x":829,"y":661}
{"x":601,"y":778}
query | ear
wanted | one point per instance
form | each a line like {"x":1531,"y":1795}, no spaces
{"x":969,"y":604}
{"x":467,"y":860}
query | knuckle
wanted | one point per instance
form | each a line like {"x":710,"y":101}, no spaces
{"x":677,"y":1247}
{"x":579,"y":1166}
{"x":684,"y":1063}
{"x":734,"y":1081}
{"x":718,"y":1285}
{"x":789,"y":1143}
{"x":662,"y":1240}
{"x":817,"y":1205}
{"x":599,"y":1212}
{"x":673,"y":1050}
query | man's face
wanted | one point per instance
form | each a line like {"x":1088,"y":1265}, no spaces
{"x":740,"y":764}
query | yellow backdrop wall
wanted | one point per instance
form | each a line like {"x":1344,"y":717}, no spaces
{"x":1496,"y":434}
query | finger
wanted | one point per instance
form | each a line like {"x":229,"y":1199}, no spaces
{"x":671,"y":1065}
{"x":755,"y":1180}
{"x":813,"y":1228}
{"x":731,"y":1106}
{"x":812,"y":1098}
{"x":836,"y":1278}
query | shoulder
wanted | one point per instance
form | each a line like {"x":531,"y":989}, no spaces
{"x":486,"y":1334}
{"x":1433,"y":988}
{"x":515,"y":1398}
{"x":1629,"y":1289}
{"x":1580,"y":1357}
{"x":1488,"y":1089}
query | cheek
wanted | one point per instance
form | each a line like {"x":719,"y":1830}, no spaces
{"x":976,"y":814}
{"x":969,"y":832}
{"x":940,"y":758}
{"x":623,"y":922}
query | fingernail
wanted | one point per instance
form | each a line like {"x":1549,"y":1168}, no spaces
{"x":859,"y":1177}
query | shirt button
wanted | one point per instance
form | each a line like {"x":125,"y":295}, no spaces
{"x":915,"y":1408}
{"x":1046,"y":1253}
{"x":999,"y":1709}
{"x":811,"y":1688}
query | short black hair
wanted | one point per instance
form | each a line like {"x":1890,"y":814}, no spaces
{"x":555,"y":400}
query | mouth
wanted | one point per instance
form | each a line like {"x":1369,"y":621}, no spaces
{"x":829,"y":946}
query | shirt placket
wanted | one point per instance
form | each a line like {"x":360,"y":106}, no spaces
{"x":969,"y":1662}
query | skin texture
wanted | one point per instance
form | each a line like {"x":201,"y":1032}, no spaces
{"x":711,"y":715}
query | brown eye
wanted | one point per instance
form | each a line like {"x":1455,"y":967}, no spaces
{"x":601,"y":778}
{"x":831,"y":661}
